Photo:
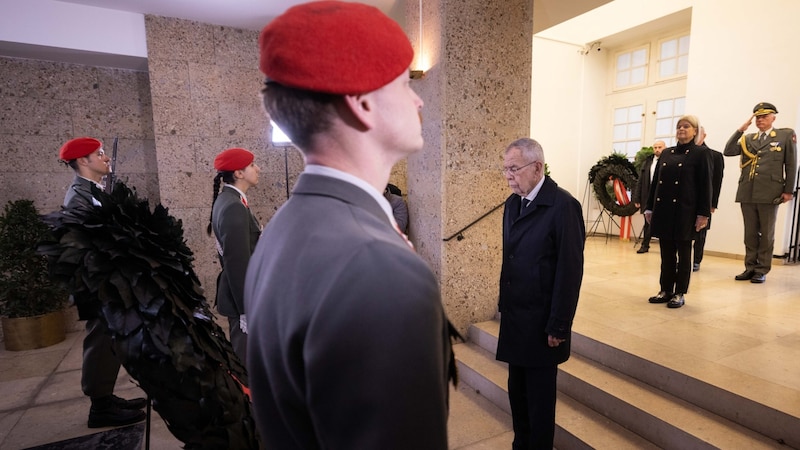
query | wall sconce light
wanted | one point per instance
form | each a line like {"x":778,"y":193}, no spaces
{"x":416,"y":74}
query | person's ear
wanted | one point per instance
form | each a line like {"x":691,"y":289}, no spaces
{"x":361,"y":108}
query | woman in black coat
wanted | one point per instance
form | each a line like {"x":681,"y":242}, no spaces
{"x":678,"y":206}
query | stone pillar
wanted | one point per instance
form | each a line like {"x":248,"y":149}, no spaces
{"x":477,"y":61}
{"x":205,"y":86}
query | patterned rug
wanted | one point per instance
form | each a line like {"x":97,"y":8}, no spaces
{"x":124,"y":438}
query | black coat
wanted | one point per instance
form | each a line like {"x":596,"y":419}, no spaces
{"x":541,"y":276}
{"x":642,"y":187}
{"x":681,"y":191}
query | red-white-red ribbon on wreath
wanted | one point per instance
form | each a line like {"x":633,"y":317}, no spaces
{"x":622,"y":198}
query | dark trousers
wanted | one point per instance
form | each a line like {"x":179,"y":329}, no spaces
{"x":759,"y":235}
{"x":699,"y":245}
{"x":676,"y":265}
{"x":646,"y":235}
{"x":238,"y":339}
{"x":100,"y":364}
{"x":532,"y":394}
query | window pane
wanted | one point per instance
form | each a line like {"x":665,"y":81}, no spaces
{"x":623,"y":79}
{"x":635,"y":113}
{"x":664,"y":108}
{"x":684,"y":45}
{"x":666,"y":68}
{"x":683,"y":64}
{"x":624,"y":61}
{"x":680,"y":106}
{"x":635,"y":131}
{"x":637,"y":75}
{"x":633,"y":147}
{"x":619,"y":132}
{"x":669,"y":49}
{"x":639,"y":58}
{"x":619,"y":147}
{"x":663,"y":127}
{"x":620,"y":115}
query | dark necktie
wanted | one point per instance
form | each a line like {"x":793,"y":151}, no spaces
{"x":524,"y":204}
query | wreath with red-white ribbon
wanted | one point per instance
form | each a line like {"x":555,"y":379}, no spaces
{"x":602,"y":176}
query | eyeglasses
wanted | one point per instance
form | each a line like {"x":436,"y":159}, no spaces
{"x":513,"y":170}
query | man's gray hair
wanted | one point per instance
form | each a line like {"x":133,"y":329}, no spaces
{"x":531,"y":149}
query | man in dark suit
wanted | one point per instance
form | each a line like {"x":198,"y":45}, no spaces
{"x":543,"y":236}
{"x":100,"y":368}
{"x":717,"y":170}
{"x":642,"y":188}
{"x":769,"y":170}
{"x":349,"y":345}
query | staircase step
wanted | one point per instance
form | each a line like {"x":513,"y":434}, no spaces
{"x":577,"y":427}
{"x":757,"y":404}
{"x":659,"y":417}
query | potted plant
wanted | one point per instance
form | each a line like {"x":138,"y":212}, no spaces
{"x":31,"y":305}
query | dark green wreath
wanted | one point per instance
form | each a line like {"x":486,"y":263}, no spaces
{"x":132,"y":268}
{"x":613,"y":167}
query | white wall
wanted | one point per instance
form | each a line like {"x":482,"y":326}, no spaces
{"x":737,"y":60}
{"x":70,"y":26}
{"x":725,"y":81}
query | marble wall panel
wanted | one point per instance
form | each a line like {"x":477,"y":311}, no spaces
{"x":179,"y":40}
{"x":36,"y":116}
{"x":236,"y":48}
{"x":44,"y":79}
{"x":477,"y":99}
{"x":173,"y":79}
{"x":44,"y":103}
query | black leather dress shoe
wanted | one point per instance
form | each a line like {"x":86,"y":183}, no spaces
{"x":113,"y":416}
{"x":134,"y":403}
{"x":746,"y":275}
{"x":758,"y":278}
{"x":676,"y":301}
{"x":643,"y":250}
{"x":695,"y":267}
{"x":661,"y":297}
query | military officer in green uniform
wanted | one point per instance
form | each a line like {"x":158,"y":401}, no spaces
{"x":769,"y":169}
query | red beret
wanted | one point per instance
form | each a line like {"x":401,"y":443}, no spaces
{"x":233,"y":159}
{"x":78,"y":147}
{"x":334,"y":47}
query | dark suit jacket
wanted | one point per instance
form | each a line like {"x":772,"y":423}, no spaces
{"x":717,"y":170}
{"x":348,"y":344}
{"x":777,"y":165}
{"x":681,"y":191}
{"x":237,"y":231}
{"x":642,"y":188}
{"x":541,"y":276}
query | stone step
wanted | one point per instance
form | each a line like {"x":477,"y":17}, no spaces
{"x":577,"y":427}
{"x":659,"y":417}
{"x":649,"y":403}
{"x":770,"y":409}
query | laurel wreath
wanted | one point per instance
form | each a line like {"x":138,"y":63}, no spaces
{"x":609,"y":168}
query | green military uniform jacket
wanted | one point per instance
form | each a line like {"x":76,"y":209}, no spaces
{"x":769,"y":166}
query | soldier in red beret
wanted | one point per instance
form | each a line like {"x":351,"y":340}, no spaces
{"x":236,"y":230}
{"x":85,"y":155}
{"x":349,"y":344}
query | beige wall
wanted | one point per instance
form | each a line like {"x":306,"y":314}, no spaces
{"x":44,"y":104}
{"x":205,"y":85}
{"x":477,"y":100}
{"x":723,"y":84}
